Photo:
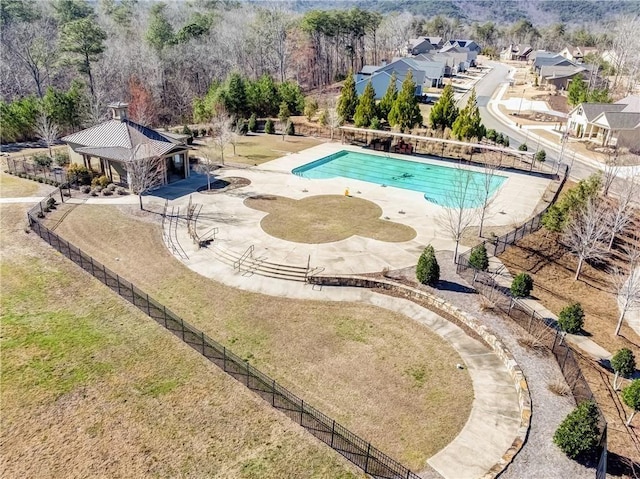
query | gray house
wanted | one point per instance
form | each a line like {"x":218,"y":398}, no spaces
{"x":380,"y":82}
{"x":419,"y":45}
{"x":426,"y":73}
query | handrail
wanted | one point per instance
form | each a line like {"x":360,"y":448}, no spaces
{"x":248,"y":253}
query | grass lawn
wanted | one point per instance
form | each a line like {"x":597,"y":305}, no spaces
{"x":257,"y":148}
{"x":326,"y":218}
{"x":91,"y":387}
{"x":380,"y":374}
{"x":13,"y":186}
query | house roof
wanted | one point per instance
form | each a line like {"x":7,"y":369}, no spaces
{"x":560,"y":71}
{"x":593,"y":110}
{"x":380,"y":82}
{"x":119,"y":140}
{"x":632,"y":103}
{"x":619,"y":120}
{"x":434,"y":40}
{"x":369,"y":69}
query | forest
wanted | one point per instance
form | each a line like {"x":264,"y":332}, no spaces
{"x":65,"y":60}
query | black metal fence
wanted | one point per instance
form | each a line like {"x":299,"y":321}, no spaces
{"x":544,"y":332}
{"x":31,"y":170}
{"x":357,"y":450}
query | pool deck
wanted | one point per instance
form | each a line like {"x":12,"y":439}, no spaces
{"x":239,"y":226}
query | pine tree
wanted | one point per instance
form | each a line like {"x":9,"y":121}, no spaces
{"x":366,"y":110}
{"x":444,"y":112}
{"x":469,"y":124}
{"x":386,"y":103}
{"x":428,"y":269}
{"x":405,"y":113}
{"x":577,"y":92}
{"x":348,"y":98}
{"x":479,"y":259}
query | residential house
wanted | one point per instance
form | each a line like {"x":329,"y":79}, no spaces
{"x":543,"y":58}
{"x":109,"y":146}
{"x":426,"y":74}
{"x":577,"y":54}
{"x":419,"y":45}
{"x":608,"y":124}
{"x":380,"y":82}
{"x":464,"y":43}
{"x":437,"y":42}
{"x":368,"y":70}
{"x":516,"y":52}
{"x":560,"y":76}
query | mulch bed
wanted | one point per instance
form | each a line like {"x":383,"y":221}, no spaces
{"x":223,"y":185}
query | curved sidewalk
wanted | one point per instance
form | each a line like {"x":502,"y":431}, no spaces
{"x":494,"y":419}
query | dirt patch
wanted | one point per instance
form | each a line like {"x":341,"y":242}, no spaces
{"x":224,"y":185}
{"x":326,"y":218}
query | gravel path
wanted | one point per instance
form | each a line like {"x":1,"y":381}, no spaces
{"x":539,"y":457}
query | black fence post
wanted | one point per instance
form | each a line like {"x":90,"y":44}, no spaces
{"x":224,"y":358}
{"x":565,"y":358}
{"x":333,"y":431}
{"x":555,"y":337}
{"x":133,"y":295}
{"x":164,"y":310}
{"x":182,"y":327}
{"x":203,"y":343}
{"x":149,"y":308}
{"x":366,"y":462}
{"x":117,"y":281}
{"x":273,"y":396}
{"x":301,"y":410}
{"x":93,"y":273}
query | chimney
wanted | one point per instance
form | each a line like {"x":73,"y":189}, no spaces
{"x":119,"y":110}
{"x":383,"y":63}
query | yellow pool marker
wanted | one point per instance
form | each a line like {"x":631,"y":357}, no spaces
{"x":346,"y":192}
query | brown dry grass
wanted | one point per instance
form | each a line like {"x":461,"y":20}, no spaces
{"x":378,"y":373}
{"x":91,"y":387}
{"x":326,"y":218}
{"x":13,"y":186}
{"x":257,"y":148}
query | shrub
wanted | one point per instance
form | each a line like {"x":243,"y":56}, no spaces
{"x":111,"y":187}
{"x":323,"y":119}
{"x":81,"y":173}
{"x":186,"y":130}
{"x":51,"y":202}
{"x":269,"y":128}
{"x":244,"y":128}
{"x":291,"y":131}
{"x":61,"y":159}
{"x":253,"y":123}
{"x":578,"y":434}
{"x":85,"y":189}
{"x":375,"y":123}
{"x":194,"y":132}
{"x":107,"y":192}
{"x":428,"y":270}
{"x":310,"y":108}
{"x":505,"y":140}
{"x":46,"y":209}
{"x":40,"y":180}
{"x":102,"y":181}
{"x":94,"y":192}
{"x":631,"y":397}
{"x":98,"y":188}
{"x":521,"y":286}
{"x":571,"y":318}
{"x":523,"y":147}
{"x":492,"y":135}
{"x":479,"y":258}
{"x":540,"y":156}
{"x":121,"y":191}
{"x":203,"y":131}
{"x":623,"y":364}
{"x":42,"y":160}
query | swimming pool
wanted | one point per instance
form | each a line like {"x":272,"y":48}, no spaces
{"x":440,"y":184}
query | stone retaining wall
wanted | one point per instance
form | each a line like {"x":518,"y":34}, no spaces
{"x":518,"y":378}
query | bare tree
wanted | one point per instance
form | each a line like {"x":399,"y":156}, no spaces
{"x":610,"y":171}
{"x":333,"y":118}
{"x":586,"y":232}
{"x":236,"y":134}
{"x":144,"y":170}
{"x":458,"y":215}
{"x":622,"y":213}
{"x":221,"y":132}
{"x":485,"y":192}
{"x":207,"y":165}
{"x":47,"y":130}
{"x":627,"y":284}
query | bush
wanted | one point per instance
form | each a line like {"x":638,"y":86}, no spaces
{"x":121,"y":191}
{"x":107,"y":192}
{"x":111,"y":187}
{"x":94,"y":192}
{"x":102,"y":181}
{"x":492,"y":135}
{"x":521,"y":286}
{"x":98,"y":188}
{"x":540,"y":156}
{"x":203,"y":131}
{"x":269,"y":128}
{"x":579,"y":434}
{"x":505,"y":140}
{"x":186,"y":130}
{"x":479,"y":258}
{"x":323,"y":119}
{"x":310,"y":108}
{"x":253,"y":123}
{"x":51,"y":202}
{"x":61,"y":159}
{"x":81,"y":173}
{"x":42,"y":160}
{"x":571,"y":318}
{"x":523,"y":147}
{"x":244,"y":128}
{"x":40,"y":180}
{"x":428,"y":270}
{"x":291,"y":131}
{"x":194,"y":132}
{"x":375,"y":123}
{"x":85,"y":189}
{"x":631,"y":397}
{"x":624,"y":362}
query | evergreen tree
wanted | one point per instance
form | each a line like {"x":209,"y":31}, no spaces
{"x":571,"y":318}
{"x":521,"y":286}
{"x":623,"y":364}
{"x":348,"y":98}
{"x":405,"y":113}
{"x":444,"y":112}
{"x":631,"y":397}
{"x":577,"y":92}
{"x":387,"y":101}
{"x":85,"y":39}
{"x":159,"y":31}
{"x":253,"y":123}
{"x":428,"y":270}
{"x":366,"y":110}
{"x":235,"y":97}
{"x":579,"y":433}
{"x":268,"y":127}
{"x":478,"y":259}
{"x":283,"y":116}
{"x":468,"y":124}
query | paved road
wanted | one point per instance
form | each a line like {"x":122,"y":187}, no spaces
{"x":486,"y":88}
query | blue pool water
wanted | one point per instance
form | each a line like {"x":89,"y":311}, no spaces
{"x":440,"y":184}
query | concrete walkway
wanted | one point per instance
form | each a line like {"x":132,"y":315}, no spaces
{"x":22,"y":199}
